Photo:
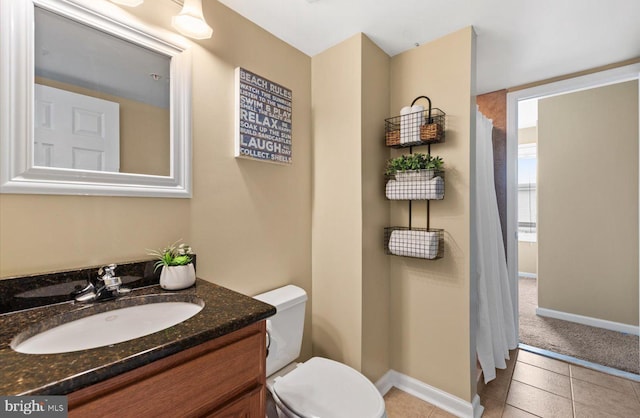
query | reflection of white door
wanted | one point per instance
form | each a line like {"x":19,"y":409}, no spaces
{"x":75,"y":131}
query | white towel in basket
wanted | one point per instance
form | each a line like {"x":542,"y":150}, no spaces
{"x":417,"y":120}
{"x":415,"y":190}
{"x":405,"y":124}
{"x":414,"y":243}
{"x":411,"y":118}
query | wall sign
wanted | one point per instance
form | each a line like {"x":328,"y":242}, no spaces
{"x":263,"y":119}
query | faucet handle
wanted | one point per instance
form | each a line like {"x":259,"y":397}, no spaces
{"x":111,"y":282}
{"x":107,"y":272}
{"x":103,"y":286}
{"x":108,"y":276}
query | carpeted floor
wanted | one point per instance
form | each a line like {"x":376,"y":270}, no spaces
{"x":608,"y":348}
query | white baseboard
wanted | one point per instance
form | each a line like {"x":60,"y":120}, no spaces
{"x":385,"y":383}
{"x":587,"y":320}
{"x":528,"y":275}
{"x":434,"y":396}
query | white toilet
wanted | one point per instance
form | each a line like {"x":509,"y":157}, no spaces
{"x":319,"y":387}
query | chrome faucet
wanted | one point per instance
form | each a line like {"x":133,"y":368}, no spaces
{"x":105,"y":286}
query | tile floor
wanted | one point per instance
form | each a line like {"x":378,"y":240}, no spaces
{"x":534,"y":385}
{"x":537,"y":386}
{"x":400,"y":404}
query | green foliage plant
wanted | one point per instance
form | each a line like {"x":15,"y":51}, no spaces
{"x":416,"y":161}
{"x":172,"y":255}
{"x":435,"y":163}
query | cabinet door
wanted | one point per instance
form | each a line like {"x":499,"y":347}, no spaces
{"x":210,"y":377}
{"x":247,"y":406}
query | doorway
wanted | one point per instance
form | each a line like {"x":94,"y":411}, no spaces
{"x":575,"y":277}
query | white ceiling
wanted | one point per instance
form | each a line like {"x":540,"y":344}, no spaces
{"x":519,"y":41}
{"x":73,"y":53}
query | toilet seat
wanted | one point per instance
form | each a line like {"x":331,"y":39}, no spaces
{"x":325,"y":388}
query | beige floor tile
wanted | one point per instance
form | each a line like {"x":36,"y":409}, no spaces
{"x":513,"y":355}
{"x":400,"y":404}
{"x":496,"y":390}
{"x":604,"y":399}
{"x":492,"y":408}
{"x":586,"y":411}
{"x":636,"y":386}
{"x":504,"y":375}
{"x":541,"y":387}
{"x":439,"y":413}
{"x":543,"y":379}
{"x":511,"y":412}
{"x":602,"y":379}
{"x":556,"y":366}
{"x":538,"y":402}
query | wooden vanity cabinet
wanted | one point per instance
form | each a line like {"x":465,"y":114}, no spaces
{"x":223,"y":378}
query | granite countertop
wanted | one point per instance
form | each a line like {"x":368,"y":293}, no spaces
{"x":224,"y":311}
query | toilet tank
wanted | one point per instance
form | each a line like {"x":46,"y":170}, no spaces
{"x":286,"y":326}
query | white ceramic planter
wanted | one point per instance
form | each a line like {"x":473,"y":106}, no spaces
{"x":177,"y":277}
{"x":415,"y":175}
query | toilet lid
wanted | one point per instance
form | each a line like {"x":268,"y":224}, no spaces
{"x":327,"y":389}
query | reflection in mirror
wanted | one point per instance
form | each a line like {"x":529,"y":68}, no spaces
{"x":101,"y":102}
{"x":93,"y":101}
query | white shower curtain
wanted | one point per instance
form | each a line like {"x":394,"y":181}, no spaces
{"x":496,"y":333}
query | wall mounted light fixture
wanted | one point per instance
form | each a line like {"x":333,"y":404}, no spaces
{"x":190,"y":21}
{"x":130,"y":3}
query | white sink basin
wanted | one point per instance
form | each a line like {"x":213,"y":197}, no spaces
{"x":110,"y":327}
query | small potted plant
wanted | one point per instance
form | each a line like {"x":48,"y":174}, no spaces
{"x":177,"y":266}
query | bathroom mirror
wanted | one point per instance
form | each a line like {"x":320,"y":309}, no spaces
{"x":93,"y":102}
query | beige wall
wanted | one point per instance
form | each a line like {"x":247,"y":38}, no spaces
{"x":351,"y":274}
{"x":144,"y":131}
{"x":337,"y":203}
{"x":49,"y":233}
{"x":528,"y":135}
{"x":528,"y":257}
{"x":145,"y":143}
{"x":430,"y":300}
{"x":588,"y":203}
{"x":248,"y":221}
{"x":375,"y":212}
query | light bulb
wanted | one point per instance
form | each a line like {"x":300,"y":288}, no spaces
{"x":190,"y":21}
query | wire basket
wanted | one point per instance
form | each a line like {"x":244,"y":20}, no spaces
{"x":415,"y":128}
{"x":414,"y":242}
{"x":416,"y":185}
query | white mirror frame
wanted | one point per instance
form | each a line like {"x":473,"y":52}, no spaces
{"x":17,"y":171}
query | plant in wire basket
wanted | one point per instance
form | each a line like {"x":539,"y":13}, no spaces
{"x":413,"y":167}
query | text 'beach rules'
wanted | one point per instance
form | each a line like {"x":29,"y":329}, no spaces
{"x":263,"y":118}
